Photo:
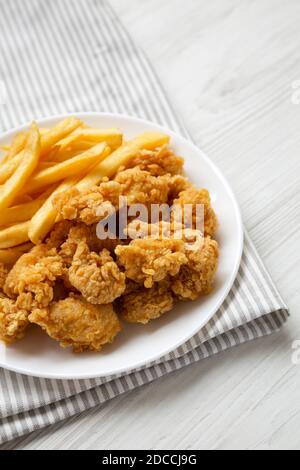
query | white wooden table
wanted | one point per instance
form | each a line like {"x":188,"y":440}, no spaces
{"x":229,"y":68}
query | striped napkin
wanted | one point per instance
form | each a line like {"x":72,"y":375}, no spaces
{"x":69,"y":56}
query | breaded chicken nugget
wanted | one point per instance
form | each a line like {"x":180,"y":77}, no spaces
{"x":158,"y":162}
{"x":197,"y":276}
{"x":96,"y":276}
{"x":151,"y":260}
{"x":3,"y":275}
{"x":199,"y":197}
{"x":35,"y":273}
{"x":75,"y":322}
{"x":13,"y":320}
{"x":145,"y":305}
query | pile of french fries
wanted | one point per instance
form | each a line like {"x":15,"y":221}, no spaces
{"x":40,"y":163}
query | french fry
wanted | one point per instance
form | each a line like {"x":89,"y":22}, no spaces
{"x":58,"y":133}
{"x":22,"y":199}
{"x":17,"y":145}
{"x":48,"y":140}
{"x":20,"y":213}
{"x":59,"y":156}
{"x":43,"y":193}
{"x":45,"y":165}
{"x":43,"y":221}
{"x":83,"y":139}
{"x":15,"y":183}
{"x":10,"y":256}
{"x":74,"y":166}
{"x":121,"y":156}
{"x":113,"y":137}
{"x":15,"y":235}
{"x":7,"y":168}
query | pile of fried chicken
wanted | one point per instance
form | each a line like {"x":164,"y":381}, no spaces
{"x":76,"y":287}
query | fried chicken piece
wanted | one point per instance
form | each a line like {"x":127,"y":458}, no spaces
{"x":77,"y":234}
{"x":89,"y":206}
{"x":151,"y":260}
{"x":196,"y":197}
{"x":3,"y":275}
{"x":59,"y":234}
{"x":95,"y":204}
{"x":96,"y":276}
{"x":196,"y":278}
{"x":13,"y":320}
{"x":35,"y":273}
{"x":145,"y":305}
{"x":177,"y":184}
{"x":77,"y":323}
{"x":139,"y":187}
{"x":87,"y":233}
{"x":159,"y":162}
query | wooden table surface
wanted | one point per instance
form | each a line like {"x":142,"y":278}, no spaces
{"x":232,"y":71}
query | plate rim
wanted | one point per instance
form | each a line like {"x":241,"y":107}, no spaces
{"x":156,"y":357}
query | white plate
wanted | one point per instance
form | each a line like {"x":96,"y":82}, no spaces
{"x":38,"y":355}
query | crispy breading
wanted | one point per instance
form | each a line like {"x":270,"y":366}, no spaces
{"x":177,"y":184}
{"x":139,"y":187}
{"x":3,"y":275}
{"x":88,"y":233}
{"x":13,"y":320}
{"x":85,"y":205}
{"x":199,"y":197}
{"x":75,"y":322}
{"x":144,"y":305}
{"x":96,"y":276}
{"x":158,"y":162}
{"x":59,"y":234}
{"x":151,"y":260}
{"x":35,"y":273}
{"x":197,"y":276}
{"x":140,"y":229}
{"x":91,"y":206}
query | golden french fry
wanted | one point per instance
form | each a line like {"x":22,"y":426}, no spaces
{"x":76,"y":149}
{"x":15,"y":235}
{"x":81,"y":140}
{"x":44,"y":193}
{"x":48,"y":140}
{"x":10,"y":256}
{"x":58,"y":133}
{"x":5,"y":148}
{"x":7,"y":168}
{"x":74,"y":166}
{"x":22,"y":199}
{"x":43,"y":221}
{"x":20,"y":213}
{"x":121,"y":156}
{"x":45,"y":165}
{"x":59,"y":156}
{"x":16,"y":182}
{"x":17,"y":145}
{"x":113,"y":137}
